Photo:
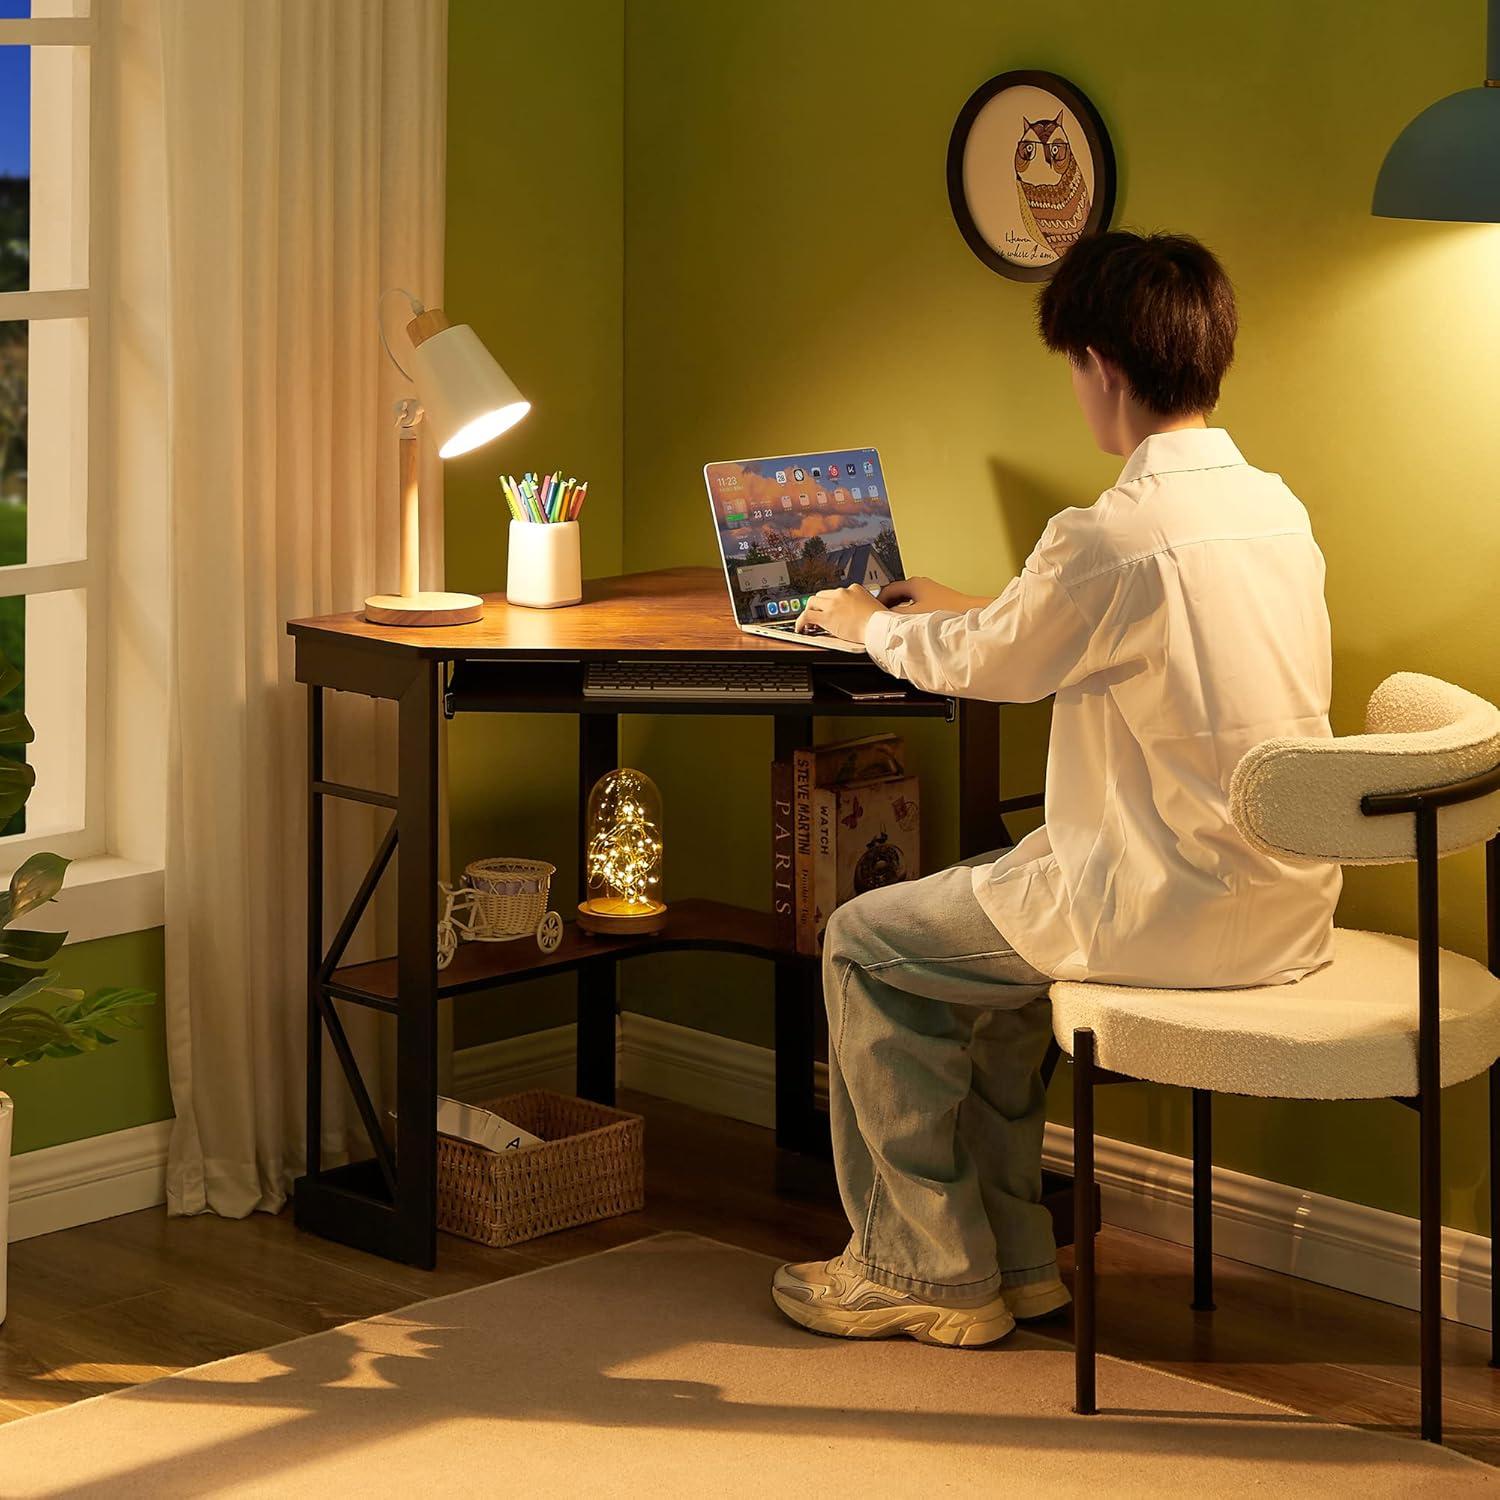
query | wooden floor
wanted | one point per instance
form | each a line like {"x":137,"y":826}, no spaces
{"x":108,"y":1305}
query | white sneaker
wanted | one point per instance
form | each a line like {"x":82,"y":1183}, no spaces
{"x":1036,"y":1299}
{"x":835,"y":1297}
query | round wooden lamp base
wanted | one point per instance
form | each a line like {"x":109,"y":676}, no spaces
{"x":424,"y":609}
{"x":615,"y":919}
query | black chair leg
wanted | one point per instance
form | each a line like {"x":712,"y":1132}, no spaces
{"x":1430,"y":1112}
{"x":1431,"y":1268}
{"x":1203,"y":1200}
{"x":1083,"y":1223}
{"x":1494,"y":1214}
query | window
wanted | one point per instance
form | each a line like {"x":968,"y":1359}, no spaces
{"x":53,"y":509}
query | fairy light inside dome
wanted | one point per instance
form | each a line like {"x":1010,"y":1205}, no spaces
{"x":623,"y":854}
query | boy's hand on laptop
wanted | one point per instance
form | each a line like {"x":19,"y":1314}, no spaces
{"x":922,"y":596}
{"x":840,"y":612}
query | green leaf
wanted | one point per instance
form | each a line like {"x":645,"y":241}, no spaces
{"x":35,"y":984}
{"x":10,"y":678}
{"x":36,"y":882}
{"x":26,"y":1031}
{"x":29,"y":1034}
{"x":111,"y":1001}
{"x":16,"y":781}
{"x":31,"y":947}
{"x":15,"y":727}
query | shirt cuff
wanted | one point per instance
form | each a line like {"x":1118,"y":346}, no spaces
{"x":879,"y":630}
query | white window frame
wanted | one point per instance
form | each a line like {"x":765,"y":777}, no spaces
{"x":105,"y":810}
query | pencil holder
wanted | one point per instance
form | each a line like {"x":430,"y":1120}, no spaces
{"x":544,"y":570}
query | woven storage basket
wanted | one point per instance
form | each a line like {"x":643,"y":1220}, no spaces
{"x":591,"y":1165}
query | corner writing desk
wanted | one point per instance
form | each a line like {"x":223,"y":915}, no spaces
{"x":527,"y":661}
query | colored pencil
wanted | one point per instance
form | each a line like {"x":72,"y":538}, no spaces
{"x":543,"y":499}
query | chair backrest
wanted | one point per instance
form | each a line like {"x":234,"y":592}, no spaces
{"x":1303,"y":797}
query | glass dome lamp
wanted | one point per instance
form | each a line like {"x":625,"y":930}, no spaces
{"x":622,"y":855}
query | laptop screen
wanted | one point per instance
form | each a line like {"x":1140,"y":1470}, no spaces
{"x":791,"y":526}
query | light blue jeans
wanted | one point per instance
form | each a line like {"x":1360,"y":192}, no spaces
{"x":937,"y":1030}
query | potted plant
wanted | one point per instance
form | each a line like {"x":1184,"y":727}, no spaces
{"x":40,"y":1017}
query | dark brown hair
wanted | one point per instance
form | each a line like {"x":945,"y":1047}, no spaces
{"x":1158,"y":305}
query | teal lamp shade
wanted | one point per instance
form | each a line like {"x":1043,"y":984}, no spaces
{"x":1446,"y":163}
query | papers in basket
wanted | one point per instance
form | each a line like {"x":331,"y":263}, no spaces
{"x":481,"y":1126}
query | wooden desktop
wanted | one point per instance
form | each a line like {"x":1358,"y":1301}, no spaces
{"x":518,"y":660}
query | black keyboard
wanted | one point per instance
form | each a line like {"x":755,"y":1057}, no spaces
{"x":708,"y":681}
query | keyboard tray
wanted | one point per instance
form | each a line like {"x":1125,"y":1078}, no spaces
{"x":485,"y":685}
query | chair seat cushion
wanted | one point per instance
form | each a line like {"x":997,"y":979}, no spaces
{"x":1348,"y":1031}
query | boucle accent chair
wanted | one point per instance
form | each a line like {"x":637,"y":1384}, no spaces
{"x":1387,"y":1018}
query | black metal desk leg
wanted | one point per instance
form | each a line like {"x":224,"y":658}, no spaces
{"x":980,"y":825}
{"x":598,"y":1000}
{"x":796,"y":1037}
{"x":314,"y":1118}
{"x":416,"y":932}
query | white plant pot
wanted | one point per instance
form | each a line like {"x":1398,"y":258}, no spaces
{"x":7,"y":1112}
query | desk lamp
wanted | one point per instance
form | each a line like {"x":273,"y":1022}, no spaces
{"x":466,"y":400}
{"x":1446,"y":163}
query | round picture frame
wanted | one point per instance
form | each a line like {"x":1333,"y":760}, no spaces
{"x":1031,"y":169}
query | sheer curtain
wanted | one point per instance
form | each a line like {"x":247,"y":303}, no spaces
{"x":304,"y":173}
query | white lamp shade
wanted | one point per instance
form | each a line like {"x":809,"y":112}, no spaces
{"x":468,"y":398}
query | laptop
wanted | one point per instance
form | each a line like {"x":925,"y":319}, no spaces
{"x":793,"y":525}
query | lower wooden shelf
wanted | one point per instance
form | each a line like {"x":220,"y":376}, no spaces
{"x":716,"y":926}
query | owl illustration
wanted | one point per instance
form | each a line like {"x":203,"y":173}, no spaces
{"x":1054,"y":199}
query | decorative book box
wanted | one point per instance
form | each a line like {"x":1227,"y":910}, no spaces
{"x":591,"y":1164}
{"x":846,"y":818}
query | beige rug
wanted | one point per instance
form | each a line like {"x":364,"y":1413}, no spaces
{"x":662,"y":1369}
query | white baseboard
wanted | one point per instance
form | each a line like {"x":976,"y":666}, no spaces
{"x":1326,"y":1240}
{"x":540,"y":1060}
{"x":77,"y":1183}
{"x":712,"y":1073}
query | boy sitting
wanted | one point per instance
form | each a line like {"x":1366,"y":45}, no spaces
{"x":1179,"y":620}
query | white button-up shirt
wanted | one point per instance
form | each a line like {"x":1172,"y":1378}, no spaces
{"x":1179,"y":620}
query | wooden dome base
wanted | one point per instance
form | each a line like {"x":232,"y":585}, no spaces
{"x":596,"y":916}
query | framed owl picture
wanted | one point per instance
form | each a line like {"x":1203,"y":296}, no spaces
{"x":1030,"y":171}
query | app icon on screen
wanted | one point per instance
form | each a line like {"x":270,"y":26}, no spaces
{"x":803,"y":497}
{"x":854,"y":492}
{"x":817,"y":472}
{"x":781,"y":476}
{"x":786,"y":502}
{"x":798,"y":475}
{"x":833,"y":471}
{"x":869,"y":467}
{"x":872,"y":492}
{"x":822,"y":497}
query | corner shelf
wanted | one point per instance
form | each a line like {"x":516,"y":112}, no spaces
{"x":716,"y":926}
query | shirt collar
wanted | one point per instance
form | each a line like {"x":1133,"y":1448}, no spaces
{"x":1180,"y":452}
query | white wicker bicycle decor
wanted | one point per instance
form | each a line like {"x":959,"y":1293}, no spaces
{"x":499,"y":901}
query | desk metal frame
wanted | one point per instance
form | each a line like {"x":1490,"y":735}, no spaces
{"x":387,"y":1204}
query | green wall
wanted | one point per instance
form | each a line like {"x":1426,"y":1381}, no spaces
{"x":793,"y":278}
{"x":68,"y":1099}
{"x":535,"y":261}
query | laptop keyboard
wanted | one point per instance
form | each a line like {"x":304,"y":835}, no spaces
{"x":707,"y":681}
